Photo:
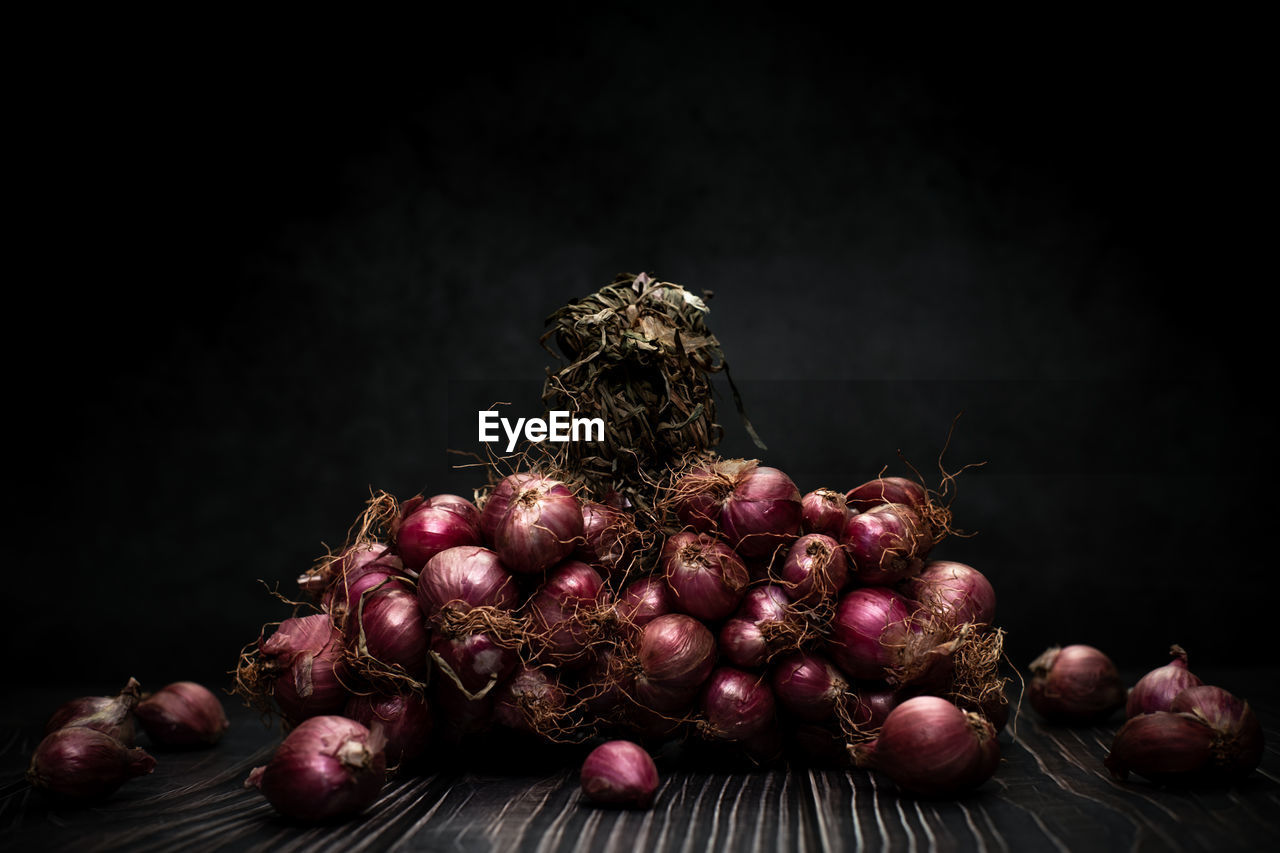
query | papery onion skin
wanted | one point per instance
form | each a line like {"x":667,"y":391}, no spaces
{"x":887,"y":490}
{"x":531,"y":701}
{"x":738,"y":705}
{"x":620,"y":773}
{"x":82,"y":763}
{"x":476,"y":661}
{"x":886,"y":544}
{"x":763,"y":627}
{"x":763,"y":512}
{"x":466,"y":577}
{"x":865,"y":619}
{"x":322,"y":579}
{"x":611,"y":539}
{"x":1238,"y":747}
{"x":431,"y":529}
{"x":404,"y":719}
{"x":815,"y":569}
{"x":389,"y":628}
{"x":329,"y":767}
{"x":183,"y":715}
{"x":495,"y":506}
{"x":1075,"y":685}
{"x":644,"y":600}
{"x":676,"y":654}
{"x":467,"y":509}
{"x":542,"y":526}
{"x":808,"y":686}
{"x":956,"y":591}
{"x":342,"y":599}
{"x":707,"y":578}
{"x":305,"y":654}
{"x":111,"y":715}
{"x":1156,"y":690}
{"x":931,"y":748}
{"x":701,"y":494}
{"x":572,"y":591}
{"x":1164,"y":747}
{"x":824,"y":511}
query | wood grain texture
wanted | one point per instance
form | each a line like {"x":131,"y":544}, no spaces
{"x":1051,"y":793}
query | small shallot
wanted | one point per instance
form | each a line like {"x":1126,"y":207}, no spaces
{"x":329,"y":767}
{"x":111,"y":715}
{"x":1075,"y":685}
{"x":182,"y":715}
{"x":80,"y":763}
{"x":1156,"y":690}
{"x":929,"y":747}
{"x":620,"y":773}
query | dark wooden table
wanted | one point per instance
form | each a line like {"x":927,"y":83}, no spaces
{"x":1051,"y":793}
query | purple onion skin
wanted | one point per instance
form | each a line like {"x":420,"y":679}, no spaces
{"x":571,"y":589}
{"x":705,"y":490}
{"x":343,"y":596}
{"x":815,"y":569}
{"x":1164,"y":747}
{"x":530,"y":701}
{"x":1075,"y":685}
{"x":864,"y":618}
{"x":393,"y":629}
{"x":542,"y":526}
{"x":887,"y":490}
{"x":743,"y":640}
{"x":111,"y":715}
{"x":610,"y":539}
{"x":495,"y":506}
{"x":432,"y":528}
{"x":956,"y":591}
{"x":477,"y":661}
{"x":458,"y":504}
{"x":620,"y":773}
{"x":742,"y":644}
{"x":183,"y":715}
{"x":306,"y":653}
{"x":707,"y":578}
{"x":931,"y":748}
{"x":676,"y":654}
{"x":1156,"y":690}
{"x":404,"y":719}
{"x":1240,"y":742}
{"x":466,"y":577}
{"x":327,"y":768}
{"x":763,"y":513}
{"x":81,"y":763}
{"x":349,"y":563}
{"x":808,"y":686}
{"x":886,"y":544}
{"x":824,"y":511}
{"x":644,"y":600}
{"x":738,"y":705}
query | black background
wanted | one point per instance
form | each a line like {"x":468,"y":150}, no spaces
{"x":264,"y":275}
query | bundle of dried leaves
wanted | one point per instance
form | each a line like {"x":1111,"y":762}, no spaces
{"x":639,"y":356}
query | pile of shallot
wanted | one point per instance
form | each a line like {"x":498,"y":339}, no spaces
{"x":1177,"y":729}
{"x":88,"y":750}
{"x":734,"y":612}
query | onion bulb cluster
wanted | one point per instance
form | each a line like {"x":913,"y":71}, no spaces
{"x":735,"y":610}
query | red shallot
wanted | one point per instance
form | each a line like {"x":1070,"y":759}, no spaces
{"x":620,"y":773}
{"x":82,"y":763}
{"x":328,"y":767}
{"x":1156,"y":690}
{"x":1076,"y":685}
